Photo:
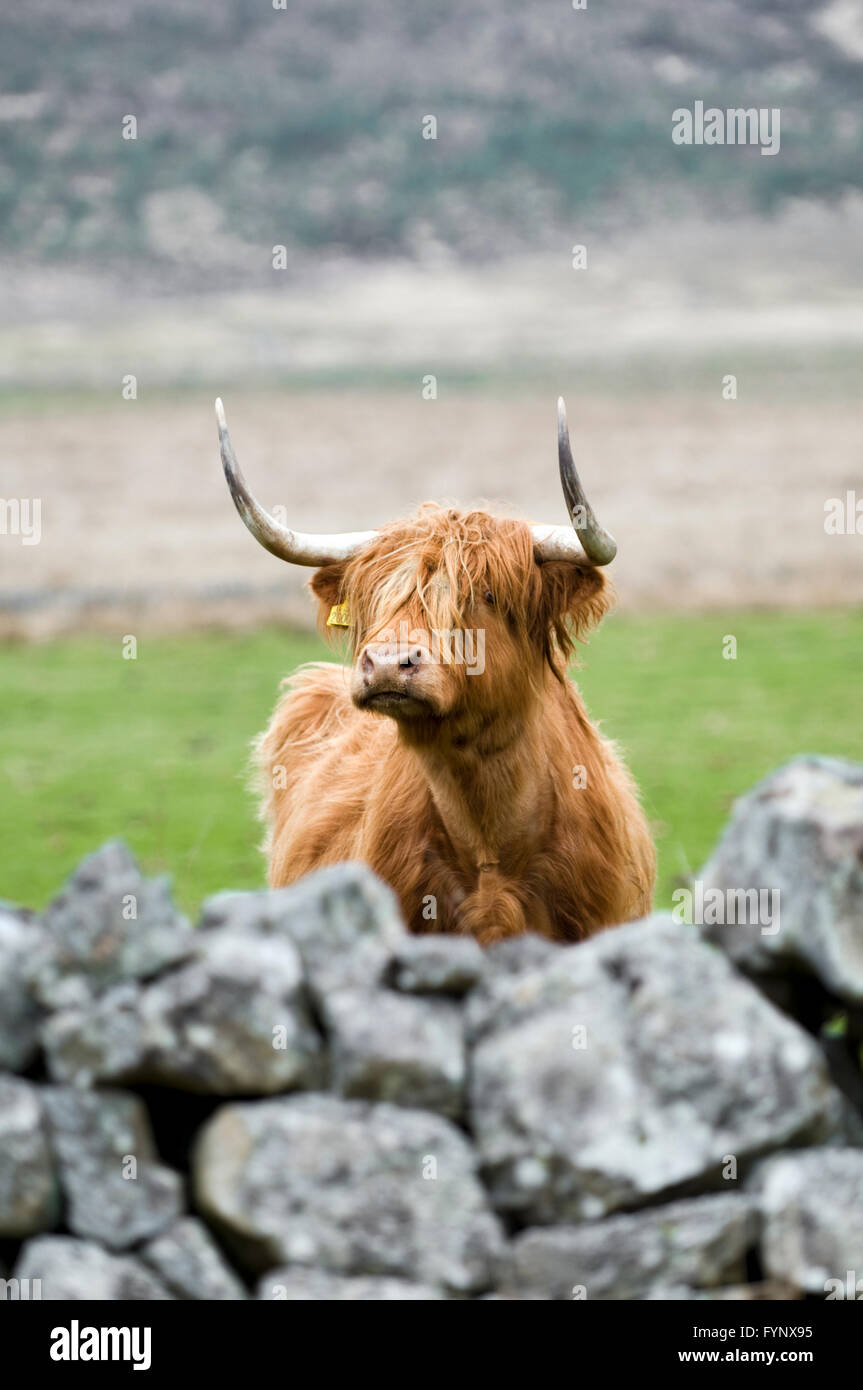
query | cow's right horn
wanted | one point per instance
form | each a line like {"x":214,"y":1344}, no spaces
{"x":585,"y":541}
{"x":293,"y":546}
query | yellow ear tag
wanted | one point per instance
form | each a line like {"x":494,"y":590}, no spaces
{"x":340,"y":615}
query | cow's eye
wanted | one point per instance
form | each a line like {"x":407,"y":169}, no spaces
{"x":489,"y":598}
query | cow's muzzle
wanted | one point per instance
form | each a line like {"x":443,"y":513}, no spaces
{"x":389,"y":678}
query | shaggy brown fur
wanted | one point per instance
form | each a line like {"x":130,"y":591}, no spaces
{"x":472,"y":809}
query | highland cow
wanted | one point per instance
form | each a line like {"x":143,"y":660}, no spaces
{"x":454,"y":756}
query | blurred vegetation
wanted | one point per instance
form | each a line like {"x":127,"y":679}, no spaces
{"x":302,"y":126}
{"x":156,"y":749}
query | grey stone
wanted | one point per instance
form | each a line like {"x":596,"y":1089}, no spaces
{"x":100,"y":1040}
{"x":345,"y":922}
{"x":235,"y":1019}
{"x":72,"y":1270}
{"x":698,"y":1242}
{"x":116,"y":1189}
{"x":293,"y":1285}
{"x":800,"y":834}
{"x":20,"y":937}
{"x":387,"y":1046}
{"x":507,"y":963}
{"x":630,"y":1065}
{"x":518,"y":954}
{"x":255,"y":911}
{"x":29,"y":1193}
{"x":191,"y":1265}
{"x":346,"y":1186}
{"x":93,"y":941}
{"x":813,"y":1218}
{"x":437,"y":964}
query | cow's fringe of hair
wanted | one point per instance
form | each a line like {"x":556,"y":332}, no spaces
{"x":451,"y":559}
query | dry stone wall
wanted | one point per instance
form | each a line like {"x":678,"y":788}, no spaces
{"x":297,"y":1100}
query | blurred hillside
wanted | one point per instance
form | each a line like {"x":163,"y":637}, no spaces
{"x":303,"y":127}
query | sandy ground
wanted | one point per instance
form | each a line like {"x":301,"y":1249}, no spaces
{"x":715,"y":504}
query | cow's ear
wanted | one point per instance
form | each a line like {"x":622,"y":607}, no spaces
{"x":326,"y":584}
{"x":573,"y":598}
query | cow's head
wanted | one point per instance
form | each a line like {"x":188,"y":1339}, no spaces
{"x":448,"y":610}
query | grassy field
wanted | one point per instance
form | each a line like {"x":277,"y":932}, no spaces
{"x":155,"y":749}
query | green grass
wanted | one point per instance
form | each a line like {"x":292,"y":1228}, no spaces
{"x":155,"y":750}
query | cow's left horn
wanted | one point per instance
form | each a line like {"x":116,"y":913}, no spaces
{"x":299,"y":549}
{"x":587,"y":540}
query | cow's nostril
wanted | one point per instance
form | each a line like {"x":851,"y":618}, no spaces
{"x":410,"y":660}
{"x":367,"y":665}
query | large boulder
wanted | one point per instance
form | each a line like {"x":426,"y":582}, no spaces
{"x":29,"y":1192}
{"x":798,"y":836}
{"x":116,"y":1189}
{"x":107,"y":925}
{"x":70,"y":1270}
{"x":697,"y":1243}
{"x":629,"y":1066}
{"x":813,"y":1219}
{"x":346,"y":1186}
